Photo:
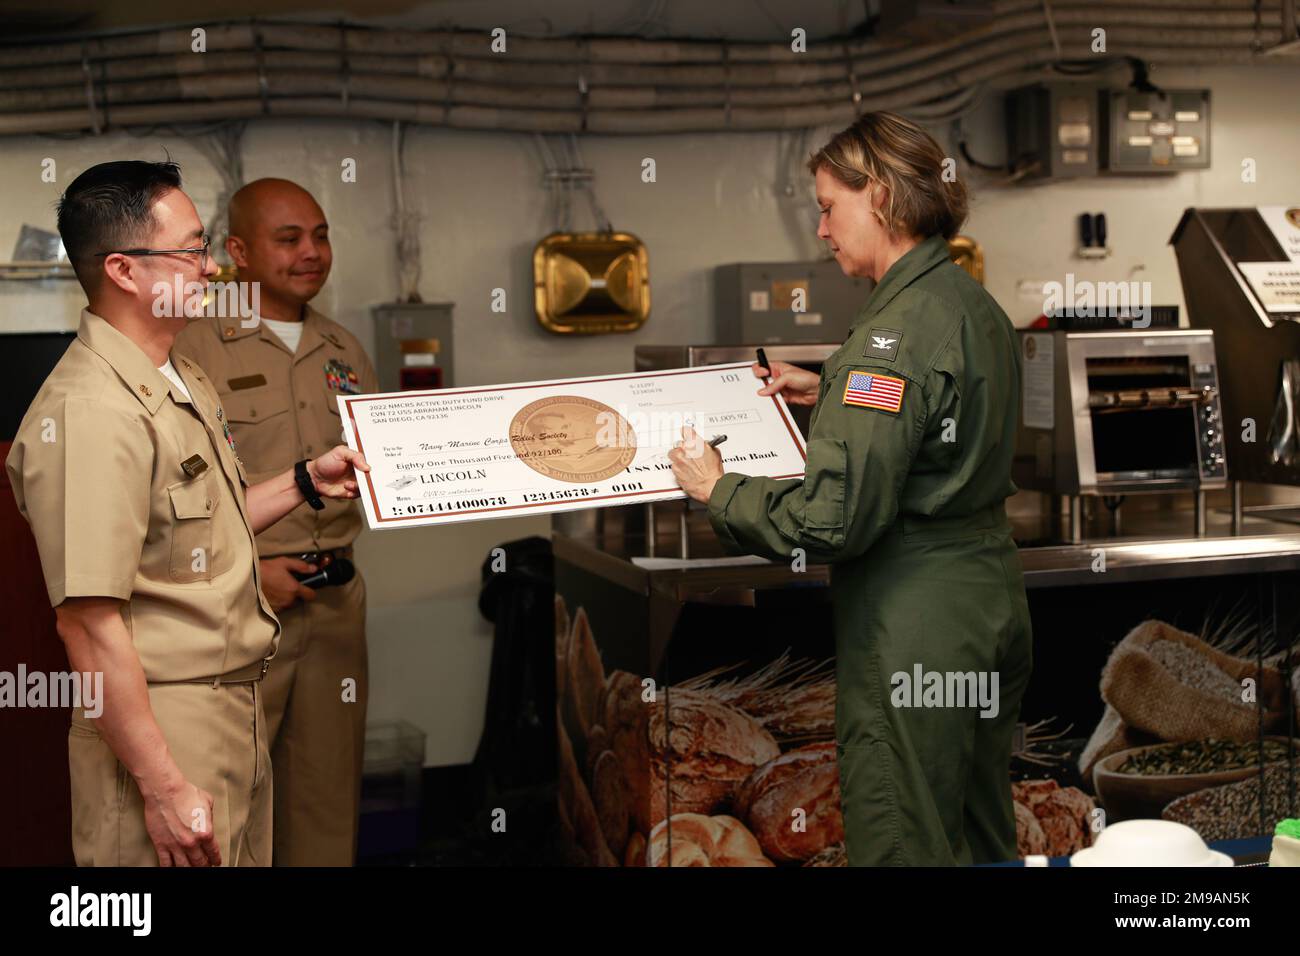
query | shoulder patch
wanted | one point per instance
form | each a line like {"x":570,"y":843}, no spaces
{"x":882,"y":344}
{"x":873,"y":390}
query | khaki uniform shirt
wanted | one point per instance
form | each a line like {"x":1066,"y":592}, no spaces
{"x":281,"y":407}
{"x":96,"y":469}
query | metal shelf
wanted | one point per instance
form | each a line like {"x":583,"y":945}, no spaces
{"x":36,"y":270}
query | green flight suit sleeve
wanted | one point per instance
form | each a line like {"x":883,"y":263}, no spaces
{"x":858,"y":461}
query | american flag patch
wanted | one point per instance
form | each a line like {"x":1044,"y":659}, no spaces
{"x":874,"y":391}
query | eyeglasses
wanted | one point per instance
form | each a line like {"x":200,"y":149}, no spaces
{"x":201,"y":252}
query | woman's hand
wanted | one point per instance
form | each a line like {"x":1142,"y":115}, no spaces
{"x":797,"y":386}
{"x":697,"y":465}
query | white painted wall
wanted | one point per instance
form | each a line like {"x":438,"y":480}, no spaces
{"x":716,"y":201}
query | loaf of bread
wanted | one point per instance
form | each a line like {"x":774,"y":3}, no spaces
{"x":1030,"y":839}
{"x":597,"y":744}
{"x":834,"y":855}
{"x":584,"y":683}
{"x":804,"y":779}
{"x":699,"y":840}
{"x":576,"y":807}
{"x":634,"y":854}
{"x":703,"y":749}
{"x":1063,"y":815}
{"x":625,"y":725}
{"x":608,"y":793}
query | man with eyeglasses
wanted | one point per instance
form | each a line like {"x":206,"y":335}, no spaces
{"x":279,"y":379}
{"x":145,"y":522}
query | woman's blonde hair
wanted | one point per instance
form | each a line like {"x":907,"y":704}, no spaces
{"x":907,"y":162}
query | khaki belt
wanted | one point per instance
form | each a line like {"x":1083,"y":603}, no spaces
{"x":251,"y":674}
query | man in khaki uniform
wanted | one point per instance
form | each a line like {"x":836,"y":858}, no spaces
{"x":279,"y":379}
{"x":145,"y":523}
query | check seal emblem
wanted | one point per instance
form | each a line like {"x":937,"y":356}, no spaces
{"x":571,"y":438}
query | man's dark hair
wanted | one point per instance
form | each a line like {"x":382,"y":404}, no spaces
{"x":110,"y":207}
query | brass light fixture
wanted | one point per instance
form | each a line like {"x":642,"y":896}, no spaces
{"x":591,"y":282}
{"x":225,"y":273}
{"x":966,"y":252}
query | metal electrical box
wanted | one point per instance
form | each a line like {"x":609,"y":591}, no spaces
{"x":758,"y":302}
{"x":1052,"y":130}
{"x":1160,"y":132}
{"x":414,"y":346}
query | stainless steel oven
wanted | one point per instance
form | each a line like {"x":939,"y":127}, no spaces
{"x":1120,"y":412}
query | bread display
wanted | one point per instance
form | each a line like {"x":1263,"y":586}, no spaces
{"x":714,"y":748}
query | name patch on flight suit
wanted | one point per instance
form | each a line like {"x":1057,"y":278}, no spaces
{"x":340,"y":377}
{"x":882,"y":344}
{"x":872,"y":390}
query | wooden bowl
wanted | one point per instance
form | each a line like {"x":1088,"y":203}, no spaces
{"x":1130,"y":796}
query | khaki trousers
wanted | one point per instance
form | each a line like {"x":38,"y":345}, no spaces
{"x":317,"y":726}
{"x":217,"y":736}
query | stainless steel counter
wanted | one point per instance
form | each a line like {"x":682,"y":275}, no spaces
{"x":608,"y":553}
{"x":1160,"y":549}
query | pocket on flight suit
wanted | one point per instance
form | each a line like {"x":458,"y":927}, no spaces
{"x":193,"y":502}
{"x":826,"y":473}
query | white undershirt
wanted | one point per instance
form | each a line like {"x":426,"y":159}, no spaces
{"x":170,"y":371}
{"x":290,"y":332}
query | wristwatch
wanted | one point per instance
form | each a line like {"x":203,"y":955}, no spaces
{"x":306,"y":486}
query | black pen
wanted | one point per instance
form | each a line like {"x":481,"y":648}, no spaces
{"x":762,"y":360}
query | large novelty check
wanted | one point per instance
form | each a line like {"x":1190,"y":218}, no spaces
{"x":465,"y":454}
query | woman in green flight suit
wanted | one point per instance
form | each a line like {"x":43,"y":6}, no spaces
{"x":908,"y":466}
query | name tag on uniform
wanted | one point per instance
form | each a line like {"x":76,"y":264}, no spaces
{"x":870,"y":390}
{"x":248,"y":381}
{"x":194,"y":466}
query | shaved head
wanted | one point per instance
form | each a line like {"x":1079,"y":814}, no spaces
{"x":263,"y":198}
{"x":279,"y":238}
